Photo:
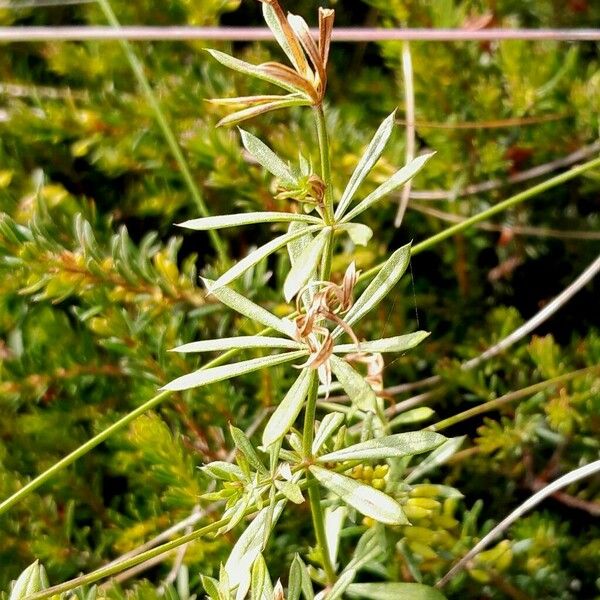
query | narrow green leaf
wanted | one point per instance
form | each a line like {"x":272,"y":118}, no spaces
{"x":259,"y":254}
{"x":254,"y":111}
{"x":248,"y":69}
{"x":244,"y":100}
{"x":271,"y":512}
{"x":415,"y":415}
{"x":295,"y":250}
{"x":267,"y":158}
{"x":291,"y":491}
{"x":398,"y":343}
{"x":244,"y":445}
{"x":294,"y":581}
{"x":329,"y":425}
{"x":249,"y":309}
{"x":296,"y":247}
{"x":389,"y":446}
{"x":377,"y":290}
{"x":360,"y":234}
{"x":219,"y":469}
{"x":222,"y":221}
{"x":366,"y":163}
{"x":334,"y":522}
{"x":248,"y":341}
{"x":363,"y":498}
{"x":261,"y":587}
{"x":436,"y":458}
{"x":306,"y":265}
{"x":369,"y":547}
{"x":392,"y":184}
{"x":341,"y":585}
{"x":394,"y":591}
{"x":211,"y":587}
{"x":299,"y":575}
{"x":360,"y":392}
{"x":224,"y":586}
{"x":206,"y":376}
{"x":285,"y":414}
{"x":234,"y":514}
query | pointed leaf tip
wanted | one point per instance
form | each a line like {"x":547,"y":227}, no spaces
{"x":364,"y":498}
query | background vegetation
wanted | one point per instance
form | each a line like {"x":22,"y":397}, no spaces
{"x":96,"y":283}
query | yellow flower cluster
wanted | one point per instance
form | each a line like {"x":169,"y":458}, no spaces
{"x":373,"y":476}
{"x":433,"y":526}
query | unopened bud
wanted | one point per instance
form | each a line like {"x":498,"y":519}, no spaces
{"x":427,"y":503}
{"x":426,"y":490}
{"x":422,"y":549}
{"x":416,"y":512}
{"x":420,"y":534}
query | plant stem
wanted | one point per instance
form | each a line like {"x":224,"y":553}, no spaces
{"x":486,"y":214}
{"x":510,"y":397}
{"x":96,"y":440}
{"x":314,"y":496}
{"x":123,"y":565}
{"x":318,"y":519}
{"x":111,"y":570}
{"x":309,"y":416}
{"x":325,"y":162}
{"x":138,"y":71}
{"x":531,"y":502}
{"x":81,"y":451}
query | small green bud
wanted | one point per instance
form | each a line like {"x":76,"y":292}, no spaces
{"x":420,"y":534}
{"x":426,"y":490}
{"x":445,"y":521}
{"x":380,"y":471}
{"x":415,"y":512}
{"x":427,"y":503}
{"x":479,"y":575}
{"x":422,"y":549}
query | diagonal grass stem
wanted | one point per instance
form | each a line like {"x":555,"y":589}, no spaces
{"x":167,"y":131}
{"x":498,"y":208}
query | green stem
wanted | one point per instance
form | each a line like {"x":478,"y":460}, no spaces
{"x":498,"y":208}
{"x":138,"y":71}
{"x":318,"y":519}
{"x":325,"y":162}
{"x":123,"y":565}
{"x":325,"y":269}
{"x":309,"y":416}
{"x":510,"y":397}
{"x":79,"y":452}
{"x":314,"y":494}
{"x":98,"y":439}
